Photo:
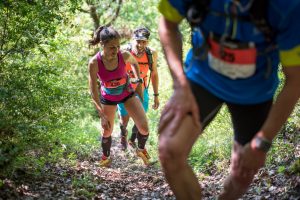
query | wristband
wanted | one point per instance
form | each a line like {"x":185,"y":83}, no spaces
{"x":156,"y":94}
{"x":262,"y":144}
{"x":139,"y":80}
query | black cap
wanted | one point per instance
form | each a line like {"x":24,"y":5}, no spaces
{"x":141,"y":33}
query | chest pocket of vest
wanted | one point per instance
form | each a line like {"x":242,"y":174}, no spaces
{"x":232,"y":59}
{"x":143,"y":70}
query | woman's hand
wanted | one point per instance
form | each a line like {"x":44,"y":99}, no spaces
{"x":104,"y":121}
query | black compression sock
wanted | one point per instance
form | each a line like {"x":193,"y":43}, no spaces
{"x":106,"y":144}
{"x":134,"y":133}
{"x":142,"y":139}
{"x":123,"y":130}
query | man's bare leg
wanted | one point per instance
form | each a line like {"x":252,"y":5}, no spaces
{"x":239,"y":180}
{"x":174,"y":149}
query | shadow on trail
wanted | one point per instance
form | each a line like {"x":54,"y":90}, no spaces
{"x":128,"y":178}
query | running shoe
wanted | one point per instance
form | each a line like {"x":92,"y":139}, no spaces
{"x":143,"y":154}
{"x":105,"y":161}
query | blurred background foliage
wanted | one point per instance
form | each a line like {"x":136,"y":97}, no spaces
{"x":46,"y":113}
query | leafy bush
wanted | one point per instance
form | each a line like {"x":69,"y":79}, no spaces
{"x":34,"y":98}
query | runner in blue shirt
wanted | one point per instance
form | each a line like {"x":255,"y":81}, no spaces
{"x":237,"y":49}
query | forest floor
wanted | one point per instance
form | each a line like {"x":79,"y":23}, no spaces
{"x":128,"y":178}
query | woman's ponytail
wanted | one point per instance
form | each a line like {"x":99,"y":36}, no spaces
{"x":96,"y":37}
{"x":104,"y":34}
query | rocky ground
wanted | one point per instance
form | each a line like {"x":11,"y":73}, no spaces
{"x":128,"y":178}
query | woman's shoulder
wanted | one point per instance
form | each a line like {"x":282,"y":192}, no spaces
{"x":125,"y":54}
{"x":94,"y":60}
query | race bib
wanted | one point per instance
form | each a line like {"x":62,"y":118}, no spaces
{"x":232,"y":59}
{"x":115,"y":83}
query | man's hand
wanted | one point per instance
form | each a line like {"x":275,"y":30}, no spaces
{"x":180,"y":104}
{"x":156,"y":103}
{"x":247,"y":161}
{"x":253,"y":158}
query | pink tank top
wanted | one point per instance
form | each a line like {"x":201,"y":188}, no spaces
{"x":112,"y":82}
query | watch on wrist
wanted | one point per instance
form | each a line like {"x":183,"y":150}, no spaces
{"x":262,"y":144}
{"x":139,"y":80}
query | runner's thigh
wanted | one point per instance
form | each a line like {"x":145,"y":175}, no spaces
{"x":209,"y":104}
{"x":136,"y":111}
{"x":248,"y":119}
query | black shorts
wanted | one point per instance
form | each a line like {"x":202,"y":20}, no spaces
{"x":247,"y":119}
{"x":108,"y":102}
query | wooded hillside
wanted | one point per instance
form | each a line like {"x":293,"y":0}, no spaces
{"x":49,"y":129}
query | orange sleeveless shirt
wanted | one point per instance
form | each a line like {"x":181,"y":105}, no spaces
{"x":144,"y":68}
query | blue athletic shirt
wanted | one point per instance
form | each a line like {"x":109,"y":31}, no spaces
{"x":283,"y":17}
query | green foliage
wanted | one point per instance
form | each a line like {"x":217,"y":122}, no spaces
{"x":35,"y":97}
{"x":28,"y":23}
{"x":84,"y":185}
{"x":214,"y":145}
{"x":281,"y":169}
{"x":295,"y":168}
{"x":132,"y":17}
{"x":293,"y":122}
{"x":8,"y":151}
{"x":46,"y":115}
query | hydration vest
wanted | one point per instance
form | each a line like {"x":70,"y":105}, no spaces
{"x":198,"y":9}
{"x":149,"y":63}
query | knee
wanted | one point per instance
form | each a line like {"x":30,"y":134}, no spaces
{"x":124,"y":120}
{"x":170,"y":156}
{"x":143,"y":128}
{"x":106,"y":133}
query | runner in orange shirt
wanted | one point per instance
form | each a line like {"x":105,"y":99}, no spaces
{"x":147,"y":59}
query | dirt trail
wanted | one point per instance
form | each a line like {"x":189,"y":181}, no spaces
{"x":128,"y":178}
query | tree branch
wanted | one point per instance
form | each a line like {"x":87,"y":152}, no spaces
{"x":117,"y":13}
{"x":94,"y":16}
